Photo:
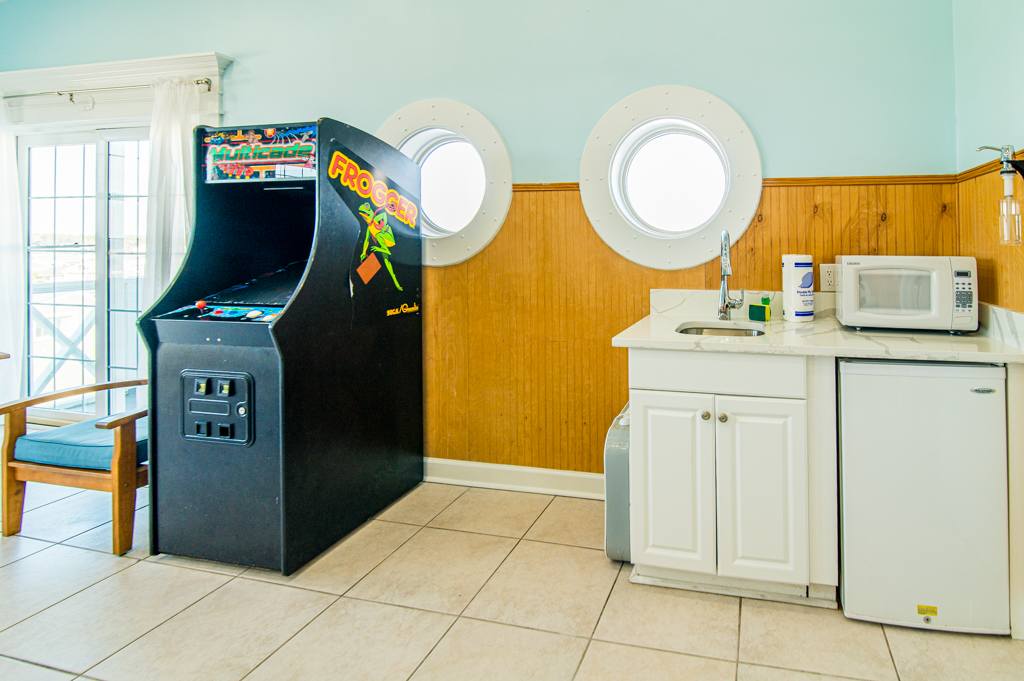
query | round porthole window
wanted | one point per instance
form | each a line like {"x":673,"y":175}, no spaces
{"x":465,"y":175}
{"x":452,"y":179}
{"x":666,"y":168}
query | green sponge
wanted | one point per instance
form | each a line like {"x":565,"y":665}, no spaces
{"x":760,"y":312}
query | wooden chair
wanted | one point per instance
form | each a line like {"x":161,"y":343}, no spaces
{"x":108,"y":467}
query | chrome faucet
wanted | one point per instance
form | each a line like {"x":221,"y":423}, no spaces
{"x":726,"y":304}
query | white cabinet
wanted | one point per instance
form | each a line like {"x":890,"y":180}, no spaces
{"x":672,"y":480}
{"x":761,"y":463}
{"x":718,"y":485}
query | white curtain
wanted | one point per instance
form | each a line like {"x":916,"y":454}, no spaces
{"x":12,"y":264}
{"x":169,"y":215}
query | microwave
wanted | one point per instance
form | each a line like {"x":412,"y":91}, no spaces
{"x":907,"y":292}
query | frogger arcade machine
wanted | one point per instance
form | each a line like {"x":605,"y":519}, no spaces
{"x":285,"y":357}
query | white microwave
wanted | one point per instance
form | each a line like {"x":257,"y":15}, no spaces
{"x":907,"y":292}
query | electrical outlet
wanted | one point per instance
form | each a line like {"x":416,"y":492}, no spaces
{"x":827,"y":277}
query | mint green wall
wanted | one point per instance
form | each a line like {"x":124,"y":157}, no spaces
{"x":989,"y":91}
{"x":830,"y":87}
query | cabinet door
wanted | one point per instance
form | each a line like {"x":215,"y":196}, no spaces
{"x":762,"y":488}
{"x":672,"y":480}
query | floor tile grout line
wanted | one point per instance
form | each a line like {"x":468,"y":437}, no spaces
{"x":338,"y":597}
{"x":431,"y":519}
{"x":739,"y":638}
{"x":75,"y":593}
{"x":289,"y":639}
{"x":77,"y":534}
{"x":38,"y":664}
{"x":579,"y":665}
{"x":157,"y":626}
{"x":93,"y":529}
{"x":477,"y":593}
{"x":230,"y":579}
{"x":491,"y":534}
{"x":73,"y":494}
{"x":676,"y":652}
{"x":433,"y":647}
{"x":802,"y":671}
{"x":95,"y":664}
{"x":892,"y":657}
{"x":482,"y":586}
{"x":597,"y":622}
{"x":49,"y":545}
{"x":607,"y":598}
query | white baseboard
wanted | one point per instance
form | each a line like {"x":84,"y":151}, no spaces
{"x":514,"y":478}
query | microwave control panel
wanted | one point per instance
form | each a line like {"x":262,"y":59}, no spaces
{"x":963,"y":291}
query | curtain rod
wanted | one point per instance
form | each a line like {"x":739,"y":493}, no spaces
{"x":70,"y":94}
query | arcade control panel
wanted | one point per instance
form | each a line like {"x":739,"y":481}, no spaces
{"x":234,"y":313}
{"x":216,"y":406}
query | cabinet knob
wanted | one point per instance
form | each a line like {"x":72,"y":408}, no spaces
{"x":706,"y":415}
{"x":723,"y":417}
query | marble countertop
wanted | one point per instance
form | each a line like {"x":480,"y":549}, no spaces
{"x":824,"y":336}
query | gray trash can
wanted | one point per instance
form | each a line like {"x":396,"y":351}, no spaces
{"x":616,"y":488}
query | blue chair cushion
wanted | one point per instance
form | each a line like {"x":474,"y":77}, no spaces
{"x":79,"y":445}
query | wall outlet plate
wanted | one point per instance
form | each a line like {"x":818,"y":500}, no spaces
{"x":827,"y":277}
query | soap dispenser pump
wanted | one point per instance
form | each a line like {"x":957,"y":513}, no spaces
{"x":1009,"y":207}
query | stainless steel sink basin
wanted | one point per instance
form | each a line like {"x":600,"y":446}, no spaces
{"x":721,"y":328}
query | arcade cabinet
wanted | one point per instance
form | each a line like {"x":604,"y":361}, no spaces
{"x":286,"y":401}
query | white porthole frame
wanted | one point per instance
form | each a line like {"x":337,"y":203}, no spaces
{"x":718,"y":123}
{"x":455,"y":120}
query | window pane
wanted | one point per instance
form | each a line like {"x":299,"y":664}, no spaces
{"x":40,"y":222}
{"x":69,"y":221}
{"x":69,"y":374}
{"x":89,"y":221}
{"x":41,"y":379}
{"x":69,"y":275}
{"x":143,"y":207}
{"x":144,"y":167}
{"x":124,"y":351}
{"x":116,"y":168}
{"x":453,"y":184}
{"x":124,"y":168}
{"x":675,"y":182}
{"x":41,"y":280}
{"x":41,"y":330}
{"x":89,"y":183}
{"x":73,"y":324}
{"x":124,"y":224}
{"x":70,"y":170}
{"x":40,"y":171}
{"x":124,"y":281}
{"x":127,"y":399}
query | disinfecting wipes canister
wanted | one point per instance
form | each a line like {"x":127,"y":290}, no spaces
{"x":797,"y":288}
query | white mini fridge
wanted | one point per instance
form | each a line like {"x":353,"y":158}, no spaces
{"x":923,"y":500}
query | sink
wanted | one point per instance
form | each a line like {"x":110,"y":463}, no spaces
{"x":721,"y":328}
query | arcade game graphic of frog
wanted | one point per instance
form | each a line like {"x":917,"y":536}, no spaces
{"x":379,"y":239}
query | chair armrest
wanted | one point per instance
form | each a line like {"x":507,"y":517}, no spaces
{"x":19,"y":405}
{"x":118,"y":420}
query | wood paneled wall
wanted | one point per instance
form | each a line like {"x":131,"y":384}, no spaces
{"x":1000,"y":268}
{"x":519,"y":363}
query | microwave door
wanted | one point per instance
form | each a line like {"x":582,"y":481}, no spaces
{"x":905,"y":297}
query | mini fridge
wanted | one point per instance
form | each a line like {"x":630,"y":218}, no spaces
{"x":923,"y":500}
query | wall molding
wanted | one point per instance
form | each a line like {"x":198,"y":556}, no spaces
{"x":824,"y":181}
{"x":514,"y":478}
{"x":857,"y":180}
{"x":985,"y":168}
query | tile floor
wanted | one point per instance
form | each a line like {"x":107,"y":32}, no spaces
{"x":449,"y":583}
